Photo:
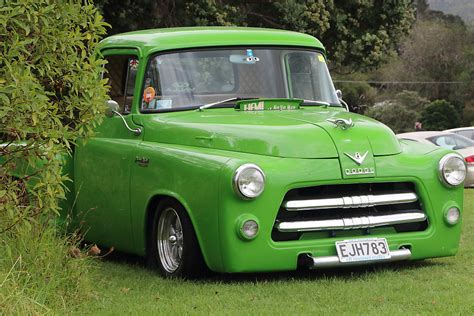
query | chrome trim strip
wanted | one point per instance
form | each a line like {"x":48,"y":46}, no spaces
{"x":351,"y":201}
{"x":351,"y":222}
{"x":333,"y":261}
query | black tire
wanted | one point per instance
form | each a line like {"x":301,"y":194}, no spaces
{"x":179,"y":256}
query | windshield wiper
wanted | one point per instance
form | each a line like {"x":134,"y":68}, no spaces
{"x":305,"y":102}
{"x":210,"y":105}
{"x":315,"y":102}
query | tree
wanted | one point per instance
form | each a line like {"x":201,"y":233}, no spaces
{"x":440,"y":115}
{"x":50,"y":94}
{"x":439,"y":55}
{"x":358,"y":35}
{"x":356,"y":92}
{"x":401,"y":112}
{"x":412,"y":100}
{"x":398,"y":117}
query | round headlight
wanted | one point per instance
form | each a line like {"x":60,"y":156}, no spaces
{"x":249,"y":181}
{"x":452,"y":169}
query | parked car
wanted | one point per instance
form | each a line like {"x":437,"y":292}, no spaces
{"x":467,"y":132}
{"x":229,"y":149}
{"x":462,"y":145}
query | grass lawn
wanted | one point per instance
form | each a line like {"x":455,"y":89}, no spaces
{"x":435,"y":286}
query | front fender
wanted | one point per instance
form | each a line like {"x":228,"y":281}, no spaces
{"x":191,"y":176}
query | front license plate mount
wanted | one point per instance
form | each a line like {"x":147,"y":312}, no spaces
{"x":357,"y":250}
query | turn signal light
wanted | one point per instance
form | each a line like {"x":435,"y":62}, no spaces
{"x":470,"y":160}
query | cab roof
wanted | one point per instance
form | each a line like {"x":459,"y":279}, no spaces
{"x":154,"y":40}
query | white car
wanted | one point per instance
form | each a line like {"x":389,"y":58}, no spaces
{"x":467,"y":132}
{"x":464,"y":146}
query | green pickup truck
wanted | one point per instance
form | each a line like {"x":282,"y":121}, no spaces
{"x":229,"y":149}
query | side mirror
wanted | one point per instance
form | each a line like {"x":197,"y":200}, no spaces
{"x":112,"y":108}
{"x":339,"y":96}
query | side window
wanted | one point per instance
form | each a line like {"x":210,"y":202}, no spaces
{"x":308,"y":77}
{"x":301,"y":76}
{"x":467,"y":134}
{"x":121,"y":70}
{"x":443,"y":141}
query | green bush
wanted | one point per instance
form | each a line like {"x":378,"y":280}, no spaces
{"x":411,"y":100}
{"x":440,"y":115}
{"x":359,"y":95}
{"x":398,"y":117}
{"x":50,"y":94}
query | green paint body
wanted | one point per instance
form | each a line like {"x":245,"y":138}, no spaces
{"x":193,"y":156}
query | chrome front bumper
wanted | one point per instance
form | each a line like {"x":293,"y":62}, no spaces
{"x":333,"y":261}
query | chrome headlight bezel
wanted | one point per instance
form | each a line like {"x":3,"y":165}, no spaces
{"x":442,"y":170}
{"x":237,"y":183}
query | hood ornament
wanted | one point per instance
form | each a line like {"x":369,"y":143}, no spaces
{"x":357,"y":158}
{"x":342,"y":123}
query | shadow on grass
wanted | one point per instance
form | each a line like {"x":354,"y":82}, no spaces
{"x":343,"y":273}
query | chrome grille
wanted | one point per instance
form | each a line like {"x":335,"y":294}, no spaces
{"x":360,"y":208}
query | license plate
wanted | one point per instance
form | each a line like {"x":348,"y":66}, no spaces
{"x":354,"y":250}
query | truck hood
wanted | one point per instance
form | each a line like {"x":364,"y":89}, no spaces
{"x":303,"y":133}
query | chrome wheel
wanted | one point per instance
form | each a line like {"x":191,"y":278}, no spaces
{"x":170,"y":240}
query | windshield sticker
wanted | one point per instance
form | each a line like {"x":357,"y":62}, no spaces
{"x":269,"y":105}
{"x":148,"y":94}
{"x":250,"y":57}
{"x":163,"y":104}
{"x":321,"y":58}
{"x":133,"y":64}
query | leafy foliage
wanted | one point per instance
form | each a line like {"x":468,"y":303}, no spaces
{"x":356,"y":92}
{"x":440,"y":55}
{"x":359,"y":35}
{"x":363,"y":34}
{"x":50,"y":94}
{"x":401,"y":112}
{"x":440,"y":115}
{"x":398,"y":117}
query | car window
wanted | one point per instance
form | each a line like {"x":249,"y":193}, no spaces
{"x":192,"y":78}
{"x":121,"y":72}
{"x":409,"y":139}
{"x":469,"y":134}
{"x":451,"y":141}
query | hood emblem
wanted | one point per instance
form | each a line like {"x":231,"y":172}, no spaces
{"x":357,"y":158}
{"x":342,"y":123}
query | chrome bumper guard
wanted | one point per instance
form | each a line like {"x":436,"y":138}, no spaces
{"x":354,"y":201}
{"x":351,"y":222}
{"x":333,"y":261}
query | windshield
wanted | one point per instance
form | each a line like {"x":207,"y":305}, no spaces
{"x":193,"y":78}
{"x":451,"y":141}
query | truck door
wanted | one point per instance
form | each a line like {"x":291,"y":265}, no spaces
{"x":103,"y":162}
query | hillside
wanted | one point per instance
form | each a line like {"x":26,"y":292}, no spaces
{"x":463,"y":8}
